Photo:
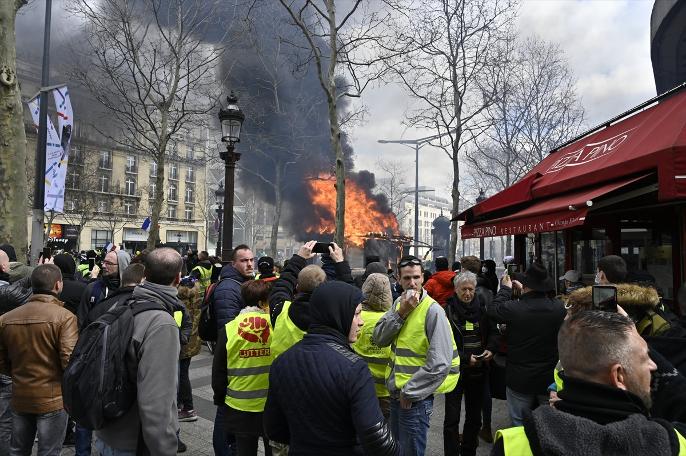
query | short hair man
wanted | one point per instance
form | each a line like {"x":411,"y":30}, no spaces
{"x":605,"y":399}
{"x":153,"y":354}
{"x":611,"y":269}
{"x":415,"y":326}
{"x":36,"y":341}
{"x":4,"y":269}
{"x":17,"y":270}
{"x":532,"y":325}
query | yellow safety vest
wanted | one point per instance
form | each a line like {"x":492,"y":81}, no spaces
{"x":408,"y":353}
{"x":377,"y":358}
{"x":178,"y":318}
{"x":516,"y":443}
{"x":287,"y":333}
{"x":248,"y":357}
{"x":205,"y":277}
{"x":276,"y":276}
{"x":559,"y":383}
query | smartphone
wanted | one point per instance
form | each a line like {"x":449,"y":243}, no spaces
{"x":511,"y":269}
{"x":321,"y":247}
{"x":605,"y":298}
{"x":483,"y":355}
{"x":47,"y":253}
{"x":91,"y":264}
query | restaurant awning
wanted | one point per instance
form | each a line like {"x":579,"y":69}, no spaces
{"x":648,"y":139}
{"x":552,"y":214}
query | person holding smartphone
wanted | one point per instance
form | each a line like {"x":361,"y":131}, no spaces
{"x":476,"y":342}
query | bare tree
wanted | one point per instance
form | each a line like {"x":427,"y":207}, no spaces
{"x":394,"y":186}
{"x":79,"y":193}
{"x":536,"y":108}
{"x":447,"y":50}
{"x":148,"y":64}
{"x":345,"y":44}
{"x":13,"y":184}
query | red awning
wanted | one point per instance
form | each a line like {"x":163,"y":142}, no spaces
{"x":552,"y":214}
{"x":651,"y":140}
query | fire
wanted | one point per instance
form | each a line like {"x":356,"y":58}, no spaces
{"x":362,"y":213}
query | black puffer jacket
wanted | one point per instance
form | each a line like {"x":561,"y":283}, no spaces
{"x":14,"y":295}
{"x":321,"y":395}
{"x":72,"y":292}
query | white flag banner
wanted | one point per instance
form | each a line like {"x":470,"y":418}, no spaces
{"x":56,"y":149}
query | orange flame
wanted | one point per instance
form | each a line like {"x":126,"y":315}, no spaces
{"x":362,"y":213}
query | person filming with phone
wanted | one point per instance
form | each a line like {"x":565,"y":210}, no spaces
{"x":532,"y":325}
{"x":476,"y":343}
{"x":424,"y":358}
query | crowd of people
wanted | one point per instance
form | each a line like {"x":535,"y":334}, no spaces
{"x":309,"y":360}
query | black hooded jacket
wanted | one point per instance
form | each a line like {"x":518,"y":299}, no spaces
{"x":320,"y":387}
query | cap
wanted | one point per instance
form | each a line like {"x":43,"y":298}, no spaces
{"x":571,"y":275}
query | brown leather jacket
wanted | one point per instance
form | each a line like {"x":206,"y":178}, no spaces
{"x":36,"y":341}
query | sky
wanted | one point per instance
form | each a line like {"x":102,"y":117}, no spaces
{"x":606,"y":42}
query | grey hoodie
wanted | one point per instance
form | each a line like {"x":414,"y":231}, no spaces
{"x":153,"y":356}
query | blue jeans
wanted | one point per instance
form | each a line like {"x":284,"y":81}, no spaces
{"x":83,"y":441}
{"x":51,"y":428}
{"x":411,"y":426}
{"x":106,"y":450}
{"x":222,"y":442}
{"x":5,"y":413}
{"x":519,"y":404}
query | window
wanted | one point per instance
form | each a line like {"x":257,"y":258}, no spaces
{"x":73,"y":178}
{"x":173,"y":172}
{"x":104,"y":183}
{"x":100,"y":238}
{"x":153,"y":187}
{"x":105,"y":159}
{"x":189,"y":152}
{"x":129,"y":208}
{"x":188,"y":214}
{"x":171,"y":212}
{"x":189,"y":194}
{"x":76,"y":154}
{"x":153,"y":169}
{"x":172,"y":193}
{"x":131,"y":164}
{"x":70,"y":205}
{"x":103,"y":207}
{"x":190,"y":174}
{"x":130,"y":186}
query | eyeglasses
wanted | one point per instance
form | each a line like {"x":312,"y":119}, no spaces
{"x":109,"y":263}
{"x":409,"y":262}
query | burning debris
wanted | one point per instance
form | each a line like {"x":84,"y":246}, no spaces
{"x":365,"y":212}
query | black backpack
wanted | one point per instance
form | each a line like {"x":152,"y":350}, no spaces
{"x":96,"y":387}
{"x":207,"y":327}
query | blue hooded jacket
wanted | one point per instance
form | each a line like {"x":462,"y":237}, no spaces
{"x":227,"y":296}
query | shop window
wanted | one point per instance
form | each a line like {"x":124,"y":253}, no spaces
{"x":647,"y":251}
{"x":553,"y":255}
{"x":588,"y":252}
{"x":100,"y":238}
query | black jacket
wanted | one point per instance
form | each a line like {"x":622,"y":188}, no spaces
{"x":117,"y":298}
{"x":594,"y":419}
{"x":458,"y":314}
{"x":532,"y":325}
{"x":15,"y":294}
{"x":72,"y":292}
{"x":227,"y":296}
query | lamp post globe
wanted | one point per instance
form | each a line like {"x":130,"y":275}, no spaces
{"x":231,"y":119}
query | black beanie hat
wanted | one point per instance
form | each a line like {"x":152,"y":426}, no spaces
{"x":65,"y":262}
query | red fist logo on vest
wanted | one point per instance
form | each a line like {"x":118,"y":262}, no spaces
{"x":254,"y":329}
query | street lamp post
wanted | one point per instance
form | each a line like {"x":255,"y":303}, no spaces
{"x":416,"y":144}
{"x":219,"y":194}
{"x":479,"y":199}
{"x":231,"y":119}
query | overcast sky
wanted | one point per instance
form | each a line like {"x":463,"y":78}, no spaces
{"x":607,"y":44}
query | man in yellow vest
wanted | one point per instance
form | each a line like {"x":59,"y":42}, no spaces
{"x":202,"y":272}
{"x":424,"y":358}
{"x":603,"y":408}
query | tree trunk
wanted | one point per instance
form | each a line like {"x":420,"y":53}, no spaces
{"x":277,"y":212}
{"x":455,"y":193}
{"x":158,"y":201}
{"x":13,"y":184}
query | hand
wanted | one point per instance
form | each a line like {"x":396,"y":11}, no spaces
{"x":407,"y":305}
{"x":95,"y":272}
{"x":553,"y":398}
{"x":516,"y":284}
{"x":306,"y":250}
{"x":44,"y":261}
{"x":506,"y":281}
{"x":473,"y":361}
{"x":405,"y":403}
{"x":336,"y":253}
{"x":488,"y":357}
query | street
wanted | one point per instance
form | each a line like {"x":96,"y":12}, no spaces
{"x":198,"y":435}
